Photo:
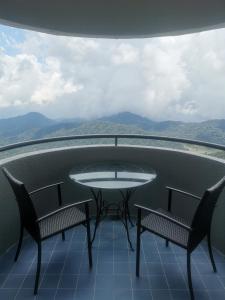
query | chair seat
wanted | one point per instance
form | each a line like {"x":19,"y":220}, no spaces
{"x":61,"y":221}
{"x":166,"y":228}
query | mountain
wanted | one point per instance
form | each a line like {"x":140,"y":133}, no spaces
{"x":130,"y":119}
{"x":17,"y":125}
{"x":142,"y":122}
{"x":51,"y":129}
{"x":37,"y":126}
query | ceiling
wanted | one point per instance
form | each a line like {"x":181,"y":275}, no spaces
{"x":115,"y":18}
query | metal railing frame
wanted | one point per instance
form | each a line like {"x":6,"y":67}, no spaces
{"x":116,"y":138}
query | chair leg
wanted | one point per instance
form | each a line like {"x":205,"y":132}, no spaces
{"x":89,"y":245}
{"x":88,"y":235}
{"x":19,"y":243}
{"x":38,"y":269}
{"x":63,"y":236}
{"x":210,"y":252}
{"x":138,"y":243}
{"x":189,"y":275}
{"x":167,"y":243}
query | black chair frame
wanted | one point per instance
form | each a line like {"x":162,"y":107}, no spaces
{"x":32,"y":223}
{"x":196,"y":231}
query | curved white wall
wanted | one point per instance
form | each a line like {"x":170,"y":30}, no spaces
{"x":179,"y":169}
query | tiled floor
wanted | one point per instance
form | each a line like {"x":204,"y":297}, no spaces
{"x":65,"y":273}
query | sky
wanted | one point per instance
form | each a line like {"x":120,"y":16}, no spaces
{"x":166,"y":78}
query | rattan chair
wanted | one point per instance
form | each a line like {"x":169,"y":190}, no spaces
{"x":186,"y":234}
{"x":51,"y":224}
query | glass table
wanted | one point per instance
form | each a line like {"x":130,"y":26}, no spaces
{"x":124,"y":177}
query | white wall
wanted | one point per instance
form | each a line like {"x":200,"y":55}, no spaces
{"x":175,"y":168}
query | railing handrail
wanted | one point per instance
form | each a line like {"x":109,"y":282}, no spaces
{"x":116,"y":137}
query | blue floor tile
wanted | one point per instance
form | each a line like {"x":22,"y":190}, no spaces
{"x":122,"y":281}
{"x":49,"y":281}
{"x":26,"y":294}
{"x":197,"y":282}
{"x":13,"y":281}
{"x":104,"y":267}
{"x":154,"y":268}
{"x":84,"y":294}
{"x":122,"y":294}
{"x":161,"y":295}
{"x":180,"y":294}
{"x":212,"y":282}
{"x":8,"y":294}
{"x":202,"y":295}
{"x":2,"y":279}
{"x":54,"y":268}
{"x":85,"y":281}
{"x":104,"y":282}
{"x":216,"y":295}
{"x":46,"y":294}
{"x":142,"y":295}
{"x":103,"y":294}
{"x":65,"y":294}
{"x":28,"y":282}
{"x":65,"y":272}
{"x":122,"y":268}
{"x":176,"y":282}
{"x":158,"y":282}
{"x":140,"y":283}
{"x":68,"y":281}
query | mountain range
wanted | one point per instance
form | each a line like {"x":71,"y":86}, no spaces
{"x":36,"y":126}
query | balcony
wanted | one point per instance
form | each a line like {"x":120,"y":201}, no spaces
{"x":65,"y":273}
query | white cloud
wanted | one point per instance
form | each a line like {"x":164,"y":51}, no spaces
{"x":161,"y":78}
{"x":125,"y":54}
{"x":26,"y":81}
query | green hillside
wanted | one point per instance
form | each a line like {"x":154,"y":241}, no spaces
{"x":37,"y":126}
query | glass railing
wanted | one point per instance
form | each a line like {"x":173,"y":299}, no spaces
{"x":193,"y":146}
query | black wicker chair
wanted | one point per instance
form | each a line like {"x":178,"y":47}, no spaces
{"x":51,"y":224}
{"x":172,"y":228}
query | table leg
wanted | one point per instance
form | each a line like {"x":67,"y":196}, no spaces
{"x":130,"y":193}
{"x":99,"y":204}
{"x":126,"y":214}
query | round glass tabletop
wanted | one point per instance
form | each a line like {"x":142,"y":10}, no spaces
{"x":112,"y":175}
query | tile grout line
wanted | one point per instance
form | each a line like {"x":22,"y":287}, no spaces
{"x":164,"y":272}
{"x":43,"y":274}
{"x":98,"y":236}
{"x":201,"y":278}
{"x":132,"y":290}
{"x":79,"y":271}
{"x":3,"y":283}
{"x":145,"y":261}
{"x":20,"y":287}
{"x":68,"y":250}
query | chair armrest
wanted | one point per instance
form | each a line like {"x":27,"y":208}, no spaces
{"x":45,"y":187}
{"x":183,"y":192}
{"x":164,"y":216}
{"x":62,"y":209}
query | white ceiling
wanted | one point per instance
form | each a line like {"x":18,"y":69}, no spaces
{"x":115,"y":18}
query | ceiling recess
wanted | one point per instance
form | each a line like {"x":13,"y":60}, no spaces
{"x":115,"y":18}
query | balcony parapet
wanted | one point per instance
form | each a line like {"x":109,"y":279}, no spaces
{"x":175,"y":167}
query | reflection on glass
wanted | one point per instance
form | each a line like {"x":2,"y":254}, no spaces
{"x":112,"y":175}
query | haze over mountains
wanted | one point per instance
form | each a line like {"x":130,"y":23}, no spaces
{"x":36,"y":126}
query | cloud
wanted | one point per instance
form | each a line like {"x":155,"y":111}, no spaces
{"x":125,"y":54}
{"x":160,"y":78}
{"x":25,"y":81}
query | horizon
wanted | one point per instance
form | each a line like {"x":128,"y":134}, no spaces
{"x":106,"y":116}
{"x":178,"y":78}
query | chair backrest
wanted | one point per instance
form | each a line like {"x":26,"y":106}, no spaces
{"x":28,"y":214}
{"x":201,"y":222}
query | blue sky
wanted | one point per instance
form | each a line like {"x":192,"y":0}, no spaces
{"x":178,"y":78}
{"x":8,"y":36}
